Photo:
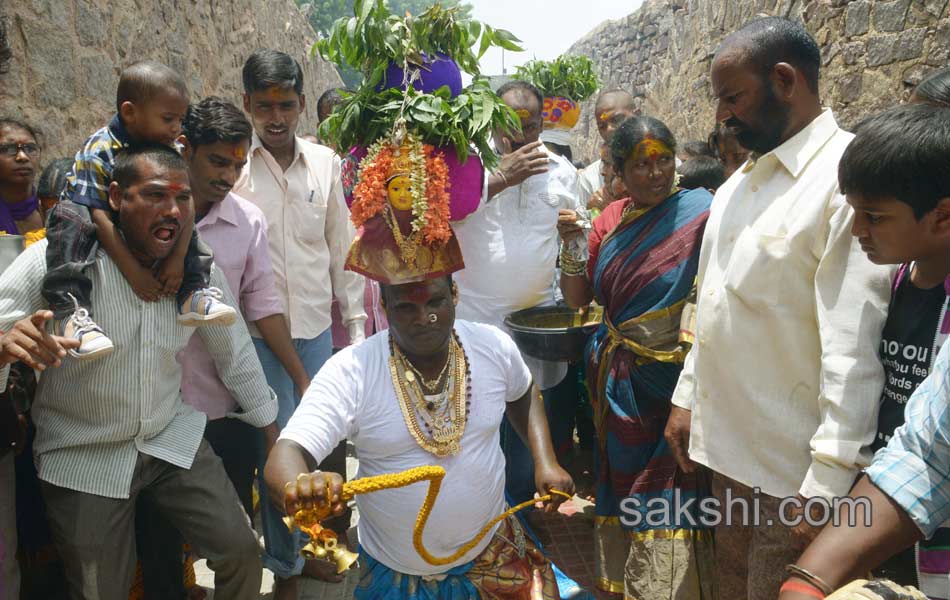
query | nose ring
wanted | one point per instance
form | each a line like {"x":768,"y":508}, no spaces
{"x":433,"y":317}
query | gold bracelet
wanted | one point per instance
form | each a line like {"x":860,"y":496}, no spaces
{"x":504,"y":178}
{"x":818,"y":582}
{"x":579,"y":270}
{"x":571,"y":266}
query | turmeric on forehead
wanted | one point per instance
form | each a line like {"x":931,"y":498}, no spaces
{"x":276,"y":92}
{"x":650,"y":148}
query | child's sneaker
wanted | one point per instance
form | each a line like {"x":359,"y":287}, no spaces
{"x":204,"y":307}
{"x":93,"y":343}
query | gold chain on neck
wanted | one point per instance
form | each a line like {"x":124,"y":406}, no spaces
{"x":429,"y":385}
{"x":446,"y":420}
{"x":408,"y":246}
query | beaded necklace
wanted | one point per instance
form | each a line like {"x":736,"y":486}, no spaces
{"x":444,"y":414}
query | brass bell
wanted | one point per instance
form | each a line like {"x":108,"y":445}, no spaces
{"x":313,"y":551}
{"x":308,"y":551}
{"x":343,"y":558}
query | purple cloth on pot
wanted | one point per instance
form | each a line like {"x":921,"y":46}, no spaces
{"x":441,"y":71}
{"x":465,"y":180}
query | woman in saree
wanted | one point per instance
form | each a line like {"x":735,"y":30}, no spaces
{"x":643,"y":255}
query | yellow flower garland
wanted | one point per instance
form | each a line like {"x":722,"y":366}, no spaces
{"x":306,"y":519}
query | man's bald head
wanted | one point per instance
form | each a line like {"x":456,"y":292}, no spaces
{"x":767,"y":41}
{"x":612,"y":108}
{"x":615,"y":98}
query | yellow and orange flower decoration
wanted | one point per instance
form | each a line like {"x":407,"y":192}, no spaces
{"x":429,"y":177}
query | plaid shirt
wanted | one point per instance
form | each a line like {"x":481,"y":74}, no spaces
{"x":88,"y":181}
{"x":914,"y":468}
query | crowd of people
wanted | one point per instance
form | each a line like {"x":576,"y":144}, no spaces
{"x":189,"y":342}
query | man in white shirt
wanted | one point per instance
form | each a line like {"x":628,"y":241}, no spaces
{"x":371,"y":394}
{"x":510,"y":245}
{"x":297,"y":186}
{"x":612,"y":108}
{"x":780,"y":392}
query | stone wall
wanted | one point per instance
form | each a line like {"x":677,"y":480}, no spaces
{"x":68,"y":54}
{"x":873,"y":53}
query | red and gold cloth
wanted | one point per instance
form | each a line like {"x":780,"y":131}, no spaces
{"x":376,"y":255}
{"x":509,"y":568}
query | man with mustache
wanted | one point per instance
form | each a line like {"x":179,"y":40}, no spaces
{"x":510,"y":247}
{"x":612,"y":108}
{"x":780,"y":391}
{"x":111,"y":432}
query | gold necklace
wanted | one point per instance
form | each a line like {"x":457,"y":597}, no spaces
{"x":408,"y":247}
{"x":430,"y":385}
{"x":445,"y":419}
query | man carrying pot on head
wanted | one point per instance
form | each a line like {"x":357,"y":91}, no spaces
{"x":431,"y":390}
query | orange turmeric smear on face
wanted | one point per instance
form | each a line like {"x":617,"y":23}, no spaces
{"x":175,"y":187}
{"x":604,"y":116}
{"x":239,"y":153}
{"x":275,"y":93}
{"x":650,"y":148}
{"x":523,"y":114}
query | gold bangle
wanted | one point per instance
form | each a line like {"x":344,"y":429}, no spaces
{"x":578,"y":270}
{"x":818,"y":582}
{"x":504,"y":178}
{"x":571,"y":266}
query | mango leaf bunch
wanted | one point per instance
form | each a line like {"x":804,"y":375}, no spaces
{"x":374,"y":39}
{"x":571,"y":77}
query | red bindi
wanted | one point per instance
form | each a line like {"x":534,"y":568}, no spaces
{"x":420,"y":294}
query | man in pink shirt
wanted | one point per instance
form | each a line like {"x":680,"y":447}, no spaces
{"x":216,"y":138}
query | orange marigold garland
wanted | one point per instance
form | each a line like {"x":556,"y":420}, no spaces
{"x":436,"y":229}
{"x":429,"y":188}
{"x":369,"y":195}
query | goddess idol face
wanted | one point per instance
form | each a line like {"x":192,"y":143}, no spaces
{"x":398,"y":192}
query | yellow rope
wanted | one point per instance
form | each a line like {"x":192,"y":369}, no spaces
{"x":306,"y":518}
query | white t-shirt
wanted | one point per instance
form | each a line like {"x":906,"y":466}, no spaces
{"x":353,"y":397}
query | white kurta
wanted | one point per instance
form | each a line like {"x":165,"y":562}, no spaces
{"x":510,"y":246}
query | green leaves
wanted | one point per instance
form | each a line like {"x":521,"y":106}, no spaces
{"x":374,"y":34}
{"x":572,"y":77}
{"x":507,"y":40}
{"x":463,"y":122}
{"x":373,"y":37}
